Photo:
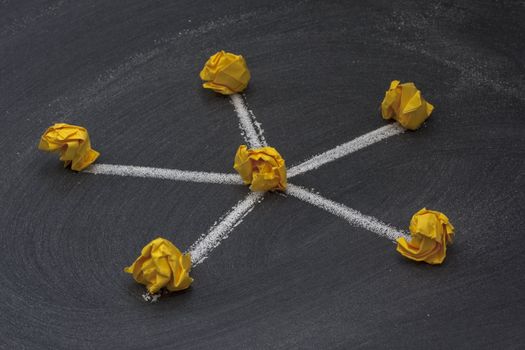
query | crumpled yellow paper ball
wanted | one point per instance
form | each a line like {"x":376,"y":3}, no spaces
{"x":225,"y":73}
{"x":161,"y":264}
{"x":262,"y":168}
{"x":404,"y":103}
{"x":73,"y":143}
{"x":430,"y":233}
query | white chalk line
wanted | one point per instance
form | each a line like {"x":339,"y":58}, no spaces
{"x":353,"y":216}
{"x":219,"y":231}
{"x":166,"y":174}
{"x":256,"y":124}
{"x":346,"y":149}
{"x":253,"y":134}
{"x":251,"y":129}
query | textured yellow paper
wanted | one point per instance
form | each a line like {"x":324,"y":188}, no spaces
{"x":73,"y":143}
{"x":430,"y":233}
{"x":161,"y":264}
{"x":404,"y":103}
{"x":225,"y":73}
{"x":262,"y":168}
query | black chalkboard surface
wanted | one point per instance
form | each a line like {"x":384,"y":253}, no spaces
{"x":290,"y":275}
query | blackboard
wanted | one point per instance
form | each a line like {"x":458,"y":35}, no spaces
{"x":290,"y":275}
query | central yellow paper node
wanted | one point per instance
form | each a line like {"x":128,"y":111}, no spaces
{"x":404,"y":103}
{"x":262,"y":168}
{"x":430,"y":233}
{"x":161,"y":264}
{"x":225,"y":73}
{"x":73,"y":143}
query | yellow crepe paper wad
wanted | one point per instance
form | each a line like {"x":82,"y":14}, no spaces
{"x":262,"y":168}
{"x":404,"y":103}
{"x":73,"y":143}
{"x":225,"y":73}
{"x":430,"y":233}
{"x":161,"y":264}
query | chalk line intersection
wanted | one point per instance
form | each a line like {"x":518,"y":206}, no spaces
{"x":252,"y":132}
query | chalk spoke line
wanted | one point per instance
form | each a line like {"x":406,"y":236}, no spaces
{"x":250,"y":128}
{"x":346,"y":148}
{"x":252,"y":133}
{"x":166,"y":174}
{"x":220,"y":230}
{"x":354,"y":217}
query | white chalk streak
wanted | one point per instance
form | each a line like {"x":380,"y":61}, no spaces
{"x":346,"y":148}
{"x":353,"y":216}
{"x":166,"y":174}
{"x":247,"y":122}
{"x":218,"y":232}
